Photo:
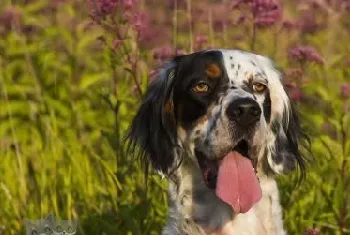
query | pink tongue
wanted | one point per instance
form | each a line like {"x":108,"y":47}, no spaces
{"x":237,"y":183}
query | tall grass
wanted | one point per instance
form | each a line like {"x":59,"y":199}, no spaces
{"x":72,"y":76}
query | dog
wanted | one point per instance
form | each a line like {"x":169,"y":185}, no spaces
{"x":219,"y":125}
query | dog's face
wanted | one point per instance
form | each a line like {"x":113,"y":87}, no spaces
{"x":210,"y":103}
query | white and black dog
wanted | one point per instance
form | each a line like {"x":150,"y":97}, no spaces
{"x":219,"y":125}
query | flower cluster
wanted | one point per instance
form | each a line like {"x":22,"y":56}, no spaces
{"x":160,"y":54}
{"x":293,"y":74}
{"x":305,"y":53}
{"x":200,"y":41}
{"x":345,"y":90}
{"x":308,"y":23}
{"x":139,"y":22}
{"x":265,"y":12}
{"x":106,"y":6}
{"x":289,"y":24}
{"x":9,"y":17}
{"x":312,"y":231}
{"x":294,"y":92}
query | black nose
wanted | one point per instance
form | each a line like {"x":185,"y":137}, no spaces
{"x":244,"y":111}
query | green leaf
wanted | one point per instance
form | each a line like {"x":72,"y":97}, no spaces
{"x":91,"y":79}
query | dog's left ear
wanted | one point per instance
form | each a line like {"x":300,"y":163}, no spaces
{"x":152,"y":134}
{"x":285,"y":155}
{"x":285,"y":134}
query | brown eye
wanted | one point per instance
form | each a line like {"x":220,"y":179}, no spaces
{"x":259,"y":87}
{"x":201,"y":88}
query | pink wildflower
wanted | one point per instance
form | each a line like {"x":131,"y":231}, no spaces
{"x":345,"y":90}
{"x":312,"y":231}
{"x":305,"y":53}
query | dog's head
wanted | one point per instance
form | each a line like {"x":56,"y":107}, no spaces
{"x":213,"y":103}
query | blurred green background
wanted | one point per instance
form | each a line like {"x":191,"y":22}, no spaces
{"x":72,"y":74}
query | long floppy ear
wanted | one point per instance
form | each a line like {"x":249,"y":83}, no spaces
{"x":285,"y":155}
{"x":152,"y":134}
{"x":284,"y":131}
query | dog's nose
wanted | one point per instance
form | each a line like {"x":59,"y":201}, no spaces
{"x":244,"y":111}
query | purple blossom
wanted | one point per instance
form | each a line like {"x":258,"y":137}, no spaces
{"x":138,"y":21}
{"x":308,"y":23}
{"x":116,"y":43}
{"x":265,"y":12}
{"x":145,"y":25}
{"x":345,"y":4}
{"x":305,"y":53}
{"x":129,"y":4}
{"x":141,"y":23}
{"x":295,"y":93}
{"x":107,"y":6}
{"x":200,"y":40}
{"x":162,"y":53}
{"x":312,"y":231}
{"x":289,"y":24}
{"x":9,"y":17}
{"x":345,"y":90}
{"x":293,"y":74}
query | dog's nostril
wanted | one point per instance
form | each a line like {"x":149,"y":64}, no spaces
{"x":255,"y":111}
{"x":236,"y":112}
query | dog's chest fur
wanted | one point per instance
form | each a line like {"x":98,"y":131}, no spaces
{"x":265,"y":217}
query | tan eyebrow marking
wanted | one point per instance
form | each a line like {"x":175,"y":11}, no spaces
{"x":169,"y":107}
{"x":213,"y":71}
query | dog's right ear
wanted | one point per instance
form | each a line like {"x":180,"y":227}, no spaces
{"x":152,"y":135}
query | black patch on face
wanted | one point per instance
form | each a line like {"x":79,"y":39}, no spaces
{"x":189,"y":105}
{"x":267,"y":107}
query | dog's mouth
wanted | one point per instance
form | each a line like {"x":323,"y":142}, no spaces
{"x":210,"y":167}
{"x":232,"y":176}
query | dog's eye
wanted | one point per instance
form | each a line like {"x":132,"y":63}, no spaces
{"x":259,"y":87}
{"x":201,"y":88}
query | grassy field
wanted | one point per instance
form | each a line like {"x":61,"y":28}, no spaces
{"x":72,"y":73}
